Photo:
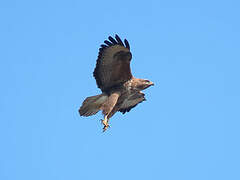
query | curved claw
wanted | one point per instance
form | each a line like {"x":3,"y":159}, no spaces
{"x":105,"y":123}
{"x":105,"y":128}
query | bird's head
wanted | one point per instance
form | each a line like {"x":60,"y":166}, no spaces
{"x":144,"y":84}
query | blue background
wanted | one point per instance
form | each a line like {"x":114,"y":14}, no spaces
{"x":187,"y":129}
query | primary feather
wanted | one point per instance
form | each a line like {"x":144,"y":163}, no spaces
{"x":120,"y":90}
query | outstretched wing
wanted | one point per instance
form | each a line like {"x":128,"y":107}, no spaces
{"x":113,"y":63}
{"x":132,"y":101}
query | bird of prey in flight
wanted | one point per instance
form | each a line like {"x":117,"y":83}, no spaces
{"x":121,"y":91}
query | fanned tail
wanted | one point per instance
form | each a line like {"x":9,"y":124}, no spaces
{"x":91,"y":105}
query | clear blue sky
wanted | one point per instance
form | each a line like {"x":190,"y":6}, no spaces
{"x":189,"y":127}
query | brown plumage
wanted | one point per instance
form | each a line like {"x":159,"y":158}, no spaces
{"x":120,"y":90}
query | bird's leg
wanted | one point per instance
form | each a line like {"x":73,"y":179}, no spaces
{"x":105,"y":123}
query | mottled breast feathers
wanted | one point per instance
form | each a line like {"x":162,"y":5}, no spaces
{"x":113,"y":63}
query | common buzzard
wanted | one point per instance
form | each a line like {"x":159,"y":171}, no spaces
{"x":120,"y":90}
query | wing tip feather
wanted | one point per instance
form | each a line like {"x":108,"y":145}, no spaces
{"x":107,"y":43}
{"x":127,"y":44}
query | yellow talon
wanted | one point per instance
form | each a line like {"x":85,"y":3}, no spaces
{"x":105,"y":123}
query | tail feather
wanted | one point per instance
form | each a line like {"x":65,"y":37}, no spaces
{"x":91,"y":105}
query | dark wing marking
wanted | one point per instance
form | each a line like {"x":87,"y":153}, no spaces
{"x":132,"y":101}
{"x":113,"y":63}
{"x":112,"y":40}
{"x":119,"y":40}
{"x":108,"y":43}
{"x":127,"y":44}
{"x":104,"y":46}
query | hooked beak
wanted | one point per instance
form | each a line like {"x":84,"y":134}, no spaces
{"x":151,"y":84}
